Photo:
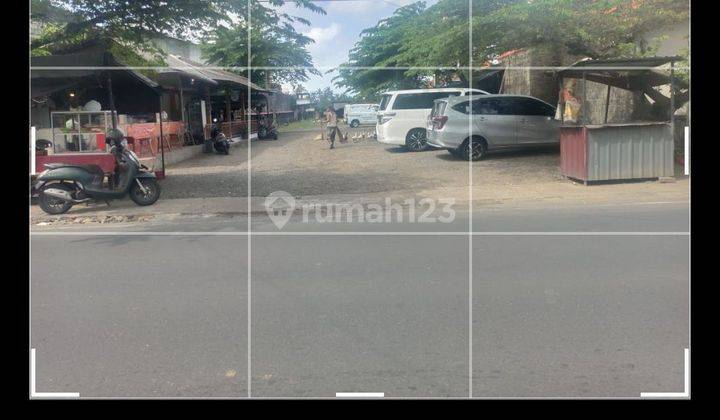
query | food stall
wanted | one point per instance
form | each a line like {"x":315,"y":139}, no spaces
{"x":223,"y":99}
{"x":639,"y":147}
{"x":73,"y":109}
{"x":79,"y":94}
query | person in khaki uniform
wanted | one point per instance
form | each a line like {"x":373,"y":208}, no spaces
{"x":331,"y":126}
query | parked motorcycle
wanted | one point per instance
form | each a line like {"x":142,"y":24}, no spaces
{"x":267,"y":129}
{"x":219,"y":141}
{"x":63,"y":185}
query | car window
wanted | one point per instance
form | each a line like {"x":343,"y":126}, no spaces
{"x":384,"y":102}
{"x":422,"y":100}
{"x":493,"y":106}
{"x":464,"y":107}
{"x":534,"y":107}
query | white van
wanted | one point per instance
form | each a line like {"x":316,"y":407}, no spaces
{"x":403,"y":114}
{"x":356,"y":114}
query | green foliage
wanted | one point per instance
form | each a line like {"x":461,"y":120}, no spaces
{"x":416,"y":36}
{"x":222,"y":24}
{"x":128,"y":20}
{"x":597,"y":29}
{"x":379,"y":47}
{"x":323,"y":98}
{"x":274,"y":43}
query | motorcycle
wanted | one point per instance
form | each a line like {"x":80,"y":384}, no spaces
{"x":267,"y":129}
{"x":62,"y":185}
{"x":219,"y":141}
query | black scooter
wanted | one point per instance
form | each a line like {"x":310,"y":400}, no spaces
{"x":267,"y":129}
{"x":63,"y":185}
{"x":219,"y":142}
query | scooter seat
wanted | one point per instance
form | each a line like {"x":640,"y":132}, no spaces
{"x":93,"y":169}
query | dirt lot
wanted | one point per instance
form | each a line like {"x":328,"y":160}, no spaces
{"x":301,"y":165}
{"x":364,"y":171}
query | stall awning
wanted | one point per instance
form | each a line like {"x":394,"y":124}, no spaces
{"x":52,"y":73}
{"x":489,"y":79}
{"x":181,"y":64}
{"x":624,"y":73}
{"x":176,"y":65}
{"x":487,"y":72}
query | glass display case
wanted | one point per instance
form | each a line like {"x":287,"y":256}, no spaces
{"x":79,"y":131}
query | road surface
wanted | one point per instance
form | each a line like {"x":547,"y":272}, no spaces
{"x":601,"y":314}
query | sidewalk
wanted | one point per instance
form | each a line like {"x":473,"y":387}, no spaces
{"x":535,"y":195}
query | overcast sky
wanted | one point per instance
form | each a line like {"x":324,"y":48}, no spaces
{"x":338,"y":31}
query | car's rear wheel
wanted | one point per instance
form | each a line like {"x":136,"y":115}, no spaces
{"x":474,"y":148}
{"x":354,"y":123}
{"x":416,"y":139}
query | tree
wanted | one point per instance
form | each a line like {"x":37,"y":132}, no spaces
{"x":274,"y":42}
{"x":378,"y":47}
{"x":438,"y":36}
{"x":323,"y":98}
{"x":597,"y":29}
{"x":428,"y":39}
{"x":128,"y":20}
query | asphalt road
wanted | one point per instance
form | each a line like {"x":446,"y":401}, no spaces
{"x":552,"y":315}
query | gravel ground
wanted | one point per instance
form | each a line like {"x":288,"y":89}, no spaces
{"x":301,"y":165}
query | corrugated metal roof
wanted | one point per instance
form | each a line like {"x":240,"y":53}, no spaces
{"x":624,"y":73}
{"x":88,"y":64}
{"x":176,"y":65}
{"x":637,"y":62}
{"x":182,"y":64}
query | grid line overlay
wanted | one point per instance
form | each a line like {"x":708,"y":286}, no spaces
{"x":470,"y":210}
{"x":249,"y":208}
{"x":250,"y":233}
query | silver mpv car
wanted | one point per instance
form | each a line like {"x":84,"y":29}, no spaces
{"x":498,"y":121}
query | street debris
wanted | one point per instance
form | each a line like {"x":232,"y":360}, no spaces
{"x":70,"y":220}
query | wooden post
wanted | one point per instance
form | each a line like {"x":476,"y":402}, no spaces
{"x":585,"y":118}
{"x":208,"y":106}
{"x":227,"y":106}
{"x":182,"y":100}
{"x":672,"y":97}
{"x":162,"y":145}
{"x":203,"y":117}
{"x":502,"y":81}
{"x":607,"y":103}
{"x":561,"y":99}
{"x":111,"y":98}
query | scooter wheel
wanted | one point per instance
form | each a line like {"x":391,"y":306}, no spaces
{"x":152,"y":188}
{"x":52,"y":205}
